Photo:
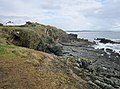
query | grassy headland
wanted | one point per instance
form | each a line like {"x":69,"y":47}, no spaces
{"x":24,"y":66}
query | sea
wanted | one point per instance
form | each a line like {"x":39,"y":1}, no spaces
{"x":91,"y":36}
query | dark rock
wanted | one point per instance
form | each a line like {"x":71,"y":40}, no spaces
{"x":109,"y":50}
{"x":77,"y":70}
{"x":71,"y":55}
{"x":50,"y":48}
{"x":76,"y":64}
{"x":85,"y":63}
{"x":72,"y":36}
{"x":56,"y":49}
{"x":109,"y":81}
{"x":102,"y":49}
{"x":93,"y":84}
{"x":91,"y":69}
{"x":116,"y":80}
{"x":103,"y":40}
{"x":103,"y":85}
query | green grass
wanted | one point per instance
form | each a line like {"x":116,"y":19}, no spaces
{"x":31,"y":36}
{"x":7,"y":52}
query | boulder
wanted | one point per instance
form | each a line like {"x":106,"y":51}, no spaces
{"x":85,"y":63}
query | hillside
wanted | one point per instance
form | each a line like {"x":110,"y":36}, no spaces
{"x":24,"y":66}
{"x":34,"y":36}
{"x":36,"y":56}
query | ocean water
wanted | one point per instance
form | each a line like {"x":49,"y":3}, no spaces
{"x":91,"y":36}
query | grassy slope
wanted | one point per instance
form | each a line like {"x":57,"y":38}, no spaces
{"x":35,"y":37}
{"x":23,"y":68}
{"x":26,"y":68}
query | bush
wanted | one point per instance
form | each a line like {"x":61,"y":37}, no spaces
{"x":35,"y":37}
{"x":1,"y":24}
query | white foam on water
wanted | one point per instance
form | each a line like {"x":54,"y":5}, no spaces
{"x":116,"y":40}
{"x":113,"y":36}
{"x":114,"y":47}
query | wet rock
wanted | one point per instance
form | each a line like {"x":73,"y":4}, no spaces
{"x":84,"y":63}
{"x":103,"y":49}
{"x":76,"y":64}
{"x":109,"y":81}
{"x":103,"y":85}
{"x":116,"y":80}
{"x":77,"y":70}
{"x":101,"y":69}
{"x":103,"y":40}
{"x":91,"y":69}
{"x":93,"y":84}
{"x":102,"y":54}
{"x":109,"y":50}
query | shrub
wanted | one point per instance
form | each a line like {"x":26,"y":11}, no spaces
{"x":35,"y":37}
{"x":1,"y":24}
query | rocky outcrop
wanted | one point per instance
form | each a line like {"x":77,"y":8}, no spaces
{"x":99,"y":75}
{"x":103,"y":40}
{"x":72,"y":36}
{"x":98,"y":67}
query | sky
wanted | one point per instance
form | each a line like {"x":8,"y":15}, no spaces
{"x":65,"y":14}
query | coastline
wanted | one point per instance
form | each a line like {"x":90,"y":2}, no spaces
{"x":111,"y":43}
{"x":43,"y":51}
{"x":105,"y":65}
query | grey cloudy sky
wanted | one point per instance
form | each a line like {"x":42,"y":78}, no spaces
{"x":65,"y":14}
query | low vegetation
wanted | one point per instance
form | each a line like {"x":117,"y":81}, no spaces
{"x":34,"y":36}
{"x":24,"y":66}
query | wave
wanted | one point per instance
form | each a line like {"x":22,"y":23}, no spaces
{"x":114,"y":47}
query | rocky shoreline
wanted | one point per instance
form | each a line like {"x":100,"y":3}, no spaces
{"x":76,"y":62}
{"x":94,"y":65}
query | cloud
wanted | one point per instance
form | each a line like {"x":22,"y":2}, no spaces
{"x":107,"y":16}
{"x":65,"y":14}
